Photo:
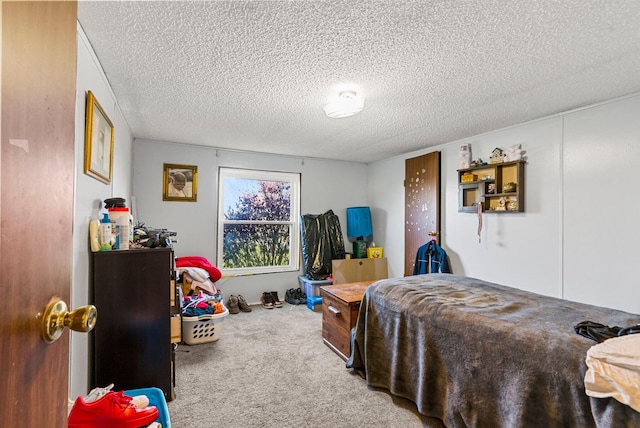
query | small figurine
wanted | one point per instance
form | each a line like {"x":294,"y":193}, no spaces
{"x":497,"y":156}
{"x":514,"y":153}
{"x":502,"y":204}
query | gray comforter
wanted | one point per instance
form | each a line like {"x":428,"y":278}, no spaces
{"x":477,"y":354}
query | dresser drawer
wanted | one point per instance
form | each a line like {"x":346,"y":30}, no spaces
{"x":338,"y":317}
{"x":335,"y":327}
{"x":176,"y":329}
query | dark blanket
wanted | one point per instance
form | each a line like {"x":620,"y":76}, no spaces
{"x":477,"y":354}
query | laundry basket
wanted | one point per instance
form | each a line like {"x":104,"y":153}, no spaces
{"x":202,"y":329}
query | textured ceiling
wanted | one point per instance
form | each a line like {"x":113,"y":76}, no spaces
{"x":254,"y":75}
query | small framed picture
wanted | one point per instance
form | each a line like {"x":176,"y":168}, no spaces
{"x":98,"y":141}
{"x":180,"y":183}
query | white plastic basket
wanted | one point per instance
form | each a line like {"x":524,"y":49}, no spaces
{"x":202,"y":329}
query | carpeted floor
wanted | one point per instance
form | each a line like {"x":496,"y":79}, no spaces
{"x":270,"y":368}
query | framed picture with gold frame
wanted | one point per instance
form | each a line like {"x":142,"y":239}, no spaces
{"x":98,"y":141}
{"x":180,"y":183}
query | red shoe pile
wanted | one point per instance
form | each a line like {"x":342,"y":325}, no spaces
{"x":113,"y":409}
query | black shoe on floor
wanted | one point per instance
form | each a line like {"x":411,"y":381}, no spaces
{"x":289,"y":297}
{"x":301,"y":297}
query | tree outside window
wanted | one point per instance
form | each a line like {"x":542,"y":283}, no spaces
{"x":258,"y":221}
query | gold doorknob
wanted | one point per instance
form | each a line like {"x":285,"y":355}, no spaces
{"x":57,"y":316}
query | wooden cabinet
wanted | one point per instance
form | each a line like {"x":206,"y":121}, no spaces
{"x":344,"y":271}
{"x":499,"y":187}
{"x":131,"y":342}
{"x":340,"y":308}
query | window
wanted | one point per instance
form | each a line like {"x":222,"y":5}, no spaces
{"x":258,"y":214}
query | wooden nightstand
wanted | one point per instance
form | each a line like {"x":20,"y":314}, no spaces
{"x":340,"y":307}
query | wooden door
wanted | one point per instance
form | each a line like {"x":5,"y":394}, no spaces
{"x":422,"y":205}
{"x":37,"y":131}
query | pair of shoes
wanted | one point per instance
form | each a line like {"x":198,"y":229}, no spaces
{"x":289,"y":297}
{"x":233,"y":305}
{"x":243,"y":305}
{"x":295,"y":296}
{"x":110,"y":409}
{"x":271,"y":300}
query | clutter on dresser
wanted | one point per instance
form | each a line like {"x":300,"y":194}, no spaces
{"x":148,"y":237}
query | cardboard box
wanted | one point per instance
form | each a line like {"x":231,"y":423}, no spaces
{"x":311,"y":287}
{"x":345,"y":271}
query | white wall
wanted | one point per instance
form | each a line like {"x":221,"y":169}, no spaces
{"x":601,"y":231}
{"x":326,"y":185}
{"x":89,"y":194}
{"x":577,"y":238}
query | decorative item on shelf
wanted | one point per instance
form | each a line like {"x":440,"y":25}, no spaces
{"x":509,"y":188}
{"x":512,"y":205}
{"x":514,"y":153}
{"x":502,"y":204}
{"x":359,"y":230}
{"x":497,"y":156}
{"x":476,"y":163}
{"x":464,"y":156}
{"x":468,"y":177}
{"x":491,"y":188}
{"x":374,"y":252}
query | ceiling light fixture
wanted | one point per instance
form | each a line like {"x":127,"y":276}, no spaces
{"x":346,"y":104}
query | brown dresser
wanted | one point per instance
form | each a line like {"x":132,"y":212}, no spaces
{"x":340,"y":307}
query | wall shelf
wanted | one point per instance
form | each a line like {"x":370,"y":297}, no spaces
{"x":488,"y":188}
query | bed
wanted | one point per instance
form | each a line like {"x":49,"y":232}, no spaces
{"x":476,"y":354}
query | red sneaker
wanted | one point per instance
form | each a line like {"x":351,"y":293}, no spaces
{"x":111,"y":410}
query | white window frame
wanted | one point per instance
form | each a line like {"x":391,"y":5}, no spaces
{"x":294,"y":179}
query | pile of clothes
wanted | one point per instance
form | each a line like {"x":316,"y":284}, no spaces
{"x":202,"y":304}
{"x":200,"y":294}
{"x":197,"y":273}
